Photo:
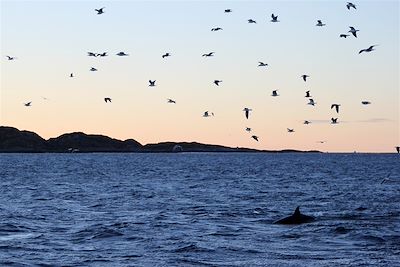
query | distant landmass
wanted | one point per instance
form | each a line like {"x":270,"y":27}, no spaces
{"x":14,"y":140}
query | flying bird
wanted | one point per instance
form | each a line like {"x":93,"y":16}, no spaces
{"x":307,"y":122}
{"x":262,"y":64}
{"x":248,"y":129}
{"x":104,"y":54}
{"x":334,"y":120}
{"x":255,"y":137}
{"x":353,"y":31}
{"x":305,"y":76}
{"x":336,"y":106}
{"x":319,"y":23}
{"x":152,"y":83}
{"x":166,"y":55}
{"x":365,"y":102}
{"x":71,"y":75}
{"x":91,"y":54}
{"x":28,"y":104}
{"x":350,"y":5}
{"x":107,"y":99}
{"x":308,"y":94}
{"x":251,"y":21}
{"x":216,"y":29}
{"x":228,"y":10}
{"x":100,"y":11}
{"x":217,"y":82}
{"x":369,"y":49}
{"x":343,"y":35}
{"x":121,"y":54}
{"x":247,"y":112}
{"x":10,"y":58}
{"x":171,"y":101}
{"x":274,"y":18}
{"x":321,"y":142}
{"x":208,"y":55}
{"x":93,"y":69}
{"x":206,"y":114}
{"x":311,"y":102}
{"x":275,"y":93}
{"x":290,"y":130}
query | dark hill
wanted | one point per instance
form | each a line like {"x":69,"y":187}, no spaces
{"x":14,"y":140}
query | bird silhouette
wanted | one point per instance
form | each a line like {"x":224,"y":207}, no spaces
{"x":71,"y":75}
{"x":251,"y":21}
{"x":216,"y":82}
{"x":171,"y":101}
{"x":100,"y":11}
{"x":208,"y":54}
{"x":91,"y":54}
{"x":121,"y":54}
{"x":152,"y":83}
{"x":319,"y":23}
{"x":308,"y":94}
{"x":334,"y":120}
{"x":248,"y":129}
{"x":365,"y":102}
{"x":247,"y":112}
{"x":353,"y":31}
{"x":305,"y":76}
{"x":10,"y":58}
{"x":275,"y":93}
{"x":336,"y":106}
{"x":107,"y":99}
{"x":228,"y":10}
{"x":216,"y":29}
{"x":274,"y":18}
{"x":166,"y":55}
{"x":311,"y":102}
{"x":290,"y":130}
{"x":343,"y":35}
{"x":93,"y":69}
{"x":307,"y":122}
{"x":28,"y":104}
{"x":104,"y":54}
{"x":350,"y":5}
{"x":369,"y":49}
{"x":262,"y":64}
{"x":255,"y":137}
{"x":206,"y":114}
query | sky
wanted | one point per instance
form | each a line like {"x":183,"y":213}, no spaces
{"x":50,"y":40}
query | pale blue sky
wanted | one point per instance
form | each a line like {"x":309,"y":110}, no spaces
{"x":51,"y":39}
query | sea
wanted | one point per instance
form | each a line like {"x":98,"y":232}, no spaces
{"x":199,"y":209}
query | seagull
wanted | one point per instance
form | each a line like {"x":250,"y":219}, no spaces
{"x":334,"y":120}
{"x":290,"y":130}
{"x":248,"y":129}
{"x":28,"y":104}
{"x":247,"y":112}
{"x":100,"y":11}
{"x":93,"y":69}
{"x":319,"y":23}
{"x":205,"y":115}
{"x":152,"y":83}
{"x":255,"y":137}
{"x":365,"y":102}
{"x":171,"y":101}
{"x":121,"y":54}
{"x":208,"y":55}
{"x":369,"y":49}
{"x":107,"y":99}
{"x":251,"y":21}
{"x":262,"y":64}
{"x":350,"y":5}
{"x":304,"y":76}
{"x":308,"y":94}
{"x":275,"y":93}
{"x":166,"y":55}
{"x":343,"y":35}
{"x":274,"y":18}
{"x":217,"y":82}
{"x":91,"y":54}
{"x":216,"y":29}
{"x":353,"y":31}
{"x":398,"y":149}
{"x":307,"y":122}
{"x":10,"y":58}
{"x":104,"y":54}
{"x":71,"y":75}
{"x":228,"y":10}
{"x":336,"y":106}
{"x":312,"y":103}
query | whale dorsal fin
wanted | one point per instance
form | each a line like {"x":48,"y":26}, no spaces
{"x":297,"y":212}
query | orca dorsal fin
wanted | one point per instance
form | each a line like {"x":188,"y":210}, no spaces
{"x":297,"y":212}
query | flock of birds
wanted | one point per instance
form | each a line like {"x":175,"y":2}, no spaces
{"x":246,"y":110}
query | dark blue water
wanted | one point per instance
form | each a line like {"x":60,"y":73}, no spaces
{"x":198,"y":209}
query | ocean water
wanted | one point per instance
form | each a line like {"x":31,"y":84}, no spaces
{"x":199,"y":209}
